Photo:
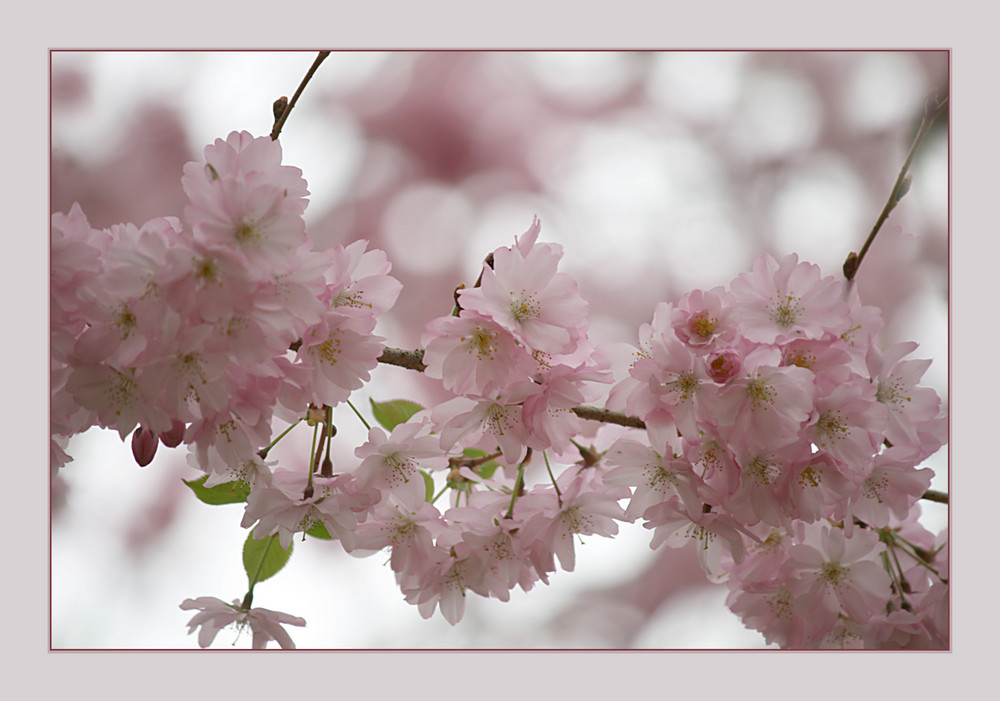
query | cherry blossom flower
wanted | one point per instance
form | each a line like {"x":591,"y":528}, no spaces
{"x":523,"y":293}
{"x":891,"y":489}
{"x":409,"y":532}
{"x":586,"y":506}
{"x":840,"y":574}
{"x":392,"y":463}
{"x":715,"y":534}
{"x":768,"y":401}
{"x":339,"y":352}
{"x":288,"y":506}
{"x":656,"y":475}
{"x":704,"y":319}
{"x":782,"y":301}
{"x":484,"y":424}
{"x":215,"y":614}
{"x":472,"y":355}
{"x":243,"y":197}
{"x":849,"y":424}
{"x":896,"y":387}
{"x":358,"y":279}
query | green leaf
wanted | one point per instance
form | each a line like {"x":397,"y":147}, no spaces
{"x":264,"y":558}
{"x":391,"y":414}
{"x":429,"y":483}
{"x":318,"y":530}
{"x":228,"y":493}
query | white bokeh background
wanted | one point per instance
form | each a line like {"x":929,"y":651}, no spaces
{"x":659,"y":172}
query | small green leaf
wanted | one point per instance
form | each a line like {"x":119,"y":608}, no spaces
{"x":318,"y":530}
{"x":429,"y":483}
{"x":264,"y":558}
{"x":391,"y":414}
{"x":228,"y":493}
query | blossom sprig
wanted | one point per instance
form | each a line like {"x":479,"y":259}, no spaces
{"x":761,"y":421}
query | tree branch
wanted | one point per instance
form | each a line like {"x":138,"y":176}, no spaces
{"x":414,"y":360}
{"x":279,"y":120}
{"x":932,"y":110}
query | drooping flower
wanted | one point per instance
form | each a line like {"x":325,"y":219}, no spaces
{"x":393,"y":463}
{"x":215,"y":614}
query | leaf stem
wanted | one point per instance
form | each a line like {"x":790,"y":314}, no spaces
{"x":260,"y":564}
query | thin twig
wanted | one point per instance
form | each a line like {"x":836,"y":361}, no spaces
{"x":413,"y":360}
{"x":932,"y":110}
{"x":935,"y":495}
{"x":280,"y":121}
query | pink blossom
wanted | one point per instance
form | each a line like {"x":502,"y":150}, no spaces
{"x":849,"y":424}
{"x":523,"y":293}
{"x":408,"y":531}
{"x":891,"y":489}
{"x":472,"y":355}
{"x":768,"y":402}
{"x":782,"y":301}
{"x":548,"y":402}
{"x":840,"y":574}
{"x":485,"y":424}
{"x":716,"y":535}
{"x":339,"y":352}
{"x":677,"y":380}
{"x":816,"y":488}
{"x":586,"y":506}
{"x":243,"y":197}
{"x":215,"y":614}
{"x":656,"y":475}
{"x":702,"y":319}
{"x":393,"y":463}
{"x":896,"y":382}
{"x":288,"y":506}
{"x":723,"y":365}
{"x":359,"y":279}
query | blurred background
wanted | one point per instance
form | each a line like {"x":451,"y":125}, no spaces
{"x":658,"y":172}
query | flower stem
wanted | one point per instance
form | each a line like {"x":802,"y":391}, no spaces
{"x":367,"y":425}
{"x":552,"y":477}
{"x":518,"y":486}
{"x":264,"y":451}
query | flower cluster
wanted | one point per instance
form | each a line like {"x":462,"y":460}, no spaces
{"x":783,"y":442}
{"x":184,"y":328}
{"x":767,"y":424}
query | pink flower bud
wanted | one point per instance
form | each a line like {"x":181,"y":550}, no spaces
{"x":724,"y":366}
{"x":174,"y":436}
{"x":144,"y":445}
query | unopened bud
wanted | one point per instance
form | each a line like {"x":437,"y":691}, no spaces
{"x":851,"y":265}
{"x":144,"y":446}
{"x":174,"y":436}
{"x":724,"y":366}
{"x":904,"y":187}
{"x":279,"y":106}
